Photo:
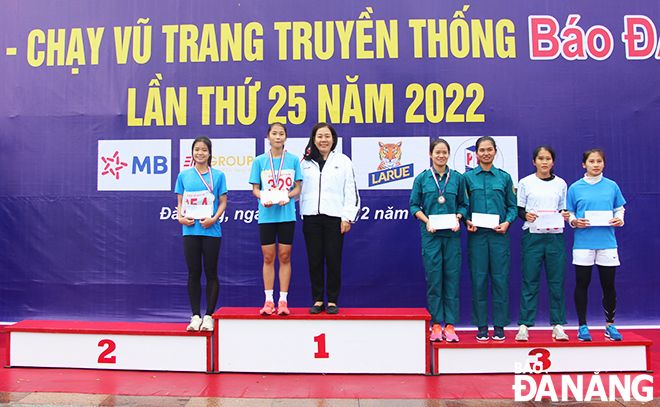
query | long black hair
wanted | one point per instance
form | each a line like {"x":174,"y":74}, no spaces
{"x":586,"y":154}
{"x":485,"y":138}
{"x":311,"y":151}
{"x":277,"y":124}
{"x":552,"y":154}
{"x":206,"y":141}
{"x":438,"y":141}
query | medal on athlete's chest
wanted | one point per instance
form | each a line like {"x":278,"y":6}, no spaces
{"x":441,"y":191}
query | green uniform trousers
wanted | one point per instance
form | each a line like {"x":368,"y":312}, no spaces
{"x":489,"y":255}
{"x":536,"y":249}
{"x":441,"y":256}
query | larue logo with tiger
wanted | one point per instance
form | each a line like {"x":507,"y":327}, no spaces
{"x":390,"y":155}
{"x":390,"y":168}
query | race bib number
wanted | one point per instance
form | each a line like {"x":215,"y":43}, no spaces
{"x":283,"y":184}
{"x":198,"y":205}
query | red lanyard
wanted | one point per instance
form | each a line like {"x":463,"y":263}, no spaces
{"x":210,"y":188}
{"x":442,"y":191}
{"x":276,"y":177}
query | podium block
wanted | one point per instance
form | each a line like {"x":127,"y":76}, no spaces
{"x":108,"y":345}
{"x":542,"y":354}
{"x":366,"y":340}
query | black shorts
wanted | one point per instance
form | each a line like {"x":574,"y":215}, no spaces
{"x":283,"y":231}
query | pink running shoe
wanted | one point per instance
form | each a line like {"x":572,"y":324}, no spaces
{"x":448,"y":334}
{"x":436,"y":333}
{"x":282,"y":308}
{"x":268,"y":308}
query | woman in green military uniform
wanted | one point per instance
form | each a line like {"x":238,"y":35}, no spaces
{"x":490,"y":191}
{"x":440,"y":191}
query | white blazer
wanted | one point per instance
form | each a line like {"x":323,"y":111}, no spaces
{"x":331,"y":192}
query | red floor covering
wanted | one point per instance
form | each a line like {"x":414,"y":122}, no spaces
{"x":280,"y":385}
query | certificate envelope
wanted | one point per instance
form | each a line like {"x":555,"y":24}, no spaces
{"x":549,"y":221}
{"x":599,"y":218}
{"x":485,"y":220}
{"x":274,"y":196}
{"x":199,"y":211}
{"x":439,"y":222}
{"x":197,"y":204}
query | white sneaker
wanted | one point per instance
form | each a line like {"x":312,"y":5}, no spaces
{"x":558,"y":333}
{"x":207,"y":325}
{"x":523,"y":334}
{"x":195,"y":323}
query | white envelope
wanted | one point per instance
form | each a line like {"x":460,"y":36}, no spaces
{"x":599,"y":218}
{"x":549,"y":221}
{"x":192,"y":204}
{"x":274,"y":196}
{"x":485,"y":220}
{"x":198,"y":211}
{"x":440,"y":222}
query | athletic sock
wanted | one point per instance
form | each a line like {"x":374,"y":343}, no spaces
{"x":283,"y":295}
{"x":269,"y":295}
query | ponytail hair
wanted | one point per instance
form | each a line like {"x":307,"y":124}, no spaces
{"x":549,"y":150}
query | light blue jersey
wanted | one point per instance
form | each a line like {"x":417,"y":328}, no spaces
{"x":189,"y":181}
{"x":263,"y":176}
{"x":605,"y":195}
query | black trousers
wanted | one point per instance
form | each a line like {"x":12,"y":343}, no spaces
{"x":325,"y":243}
{"x":195,"y":248}
{"x":583,"y":278}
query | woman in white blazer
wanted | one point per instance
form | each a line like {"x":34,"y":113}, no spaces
{"x":329,"y":203}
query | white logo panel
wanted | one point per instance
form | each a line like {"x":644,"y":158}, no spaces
{"x":232,"y":156}
{"x":463,"y":155}
{"x":134,"y":165}
{"x":389,"y":162}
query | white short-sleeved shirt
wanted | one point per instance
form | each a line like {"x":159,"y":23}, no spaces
{"x":539,"y":196}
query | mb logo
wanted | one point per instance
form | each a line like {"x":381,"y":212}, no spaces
{"x":134,"y":165}
{"x":158,"y":163}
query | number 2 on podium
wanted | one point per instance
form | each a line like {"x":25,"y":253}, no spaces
{"x":103,"y":357}
{"x":320,"y":341}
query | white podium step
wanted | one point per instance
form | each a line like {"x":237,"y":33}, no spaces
{"x":108,"y":345}
{"x":359,"y":340}
{"x":542,"y":354}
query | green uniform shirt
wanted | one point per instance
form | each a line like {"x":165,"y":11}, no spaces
{"x":491,"y":192}
{"x":425,"y":193}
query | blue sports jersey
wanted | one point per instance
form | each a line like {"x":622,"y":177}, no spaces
{"x":262,"y":175}
{"x":189,"y":181}
{"x":602,"y":196}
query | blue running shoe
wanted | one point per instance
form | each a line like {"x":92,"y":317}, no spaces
{"x":612,"y":333}
{"x":583,"y":333}
{"x":482,"y":333}
{"x":498,"y":333}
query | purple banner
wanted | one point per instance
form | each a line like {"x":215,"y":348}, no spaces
{"x":102,"y":99}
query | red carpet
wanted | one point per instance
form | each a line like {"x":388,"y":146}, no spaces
{"x":281,"y":385}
